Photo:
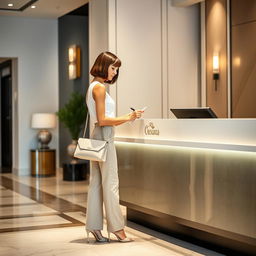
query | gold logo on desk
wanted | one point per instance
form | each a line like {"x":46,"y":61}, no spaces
{"x":150,"y":129}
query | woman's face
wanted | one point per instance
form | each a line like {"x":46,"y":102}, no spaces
{"x":112,"y":71}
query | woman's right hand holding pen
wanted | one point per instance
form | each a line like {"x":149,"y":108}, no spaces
{"x":135,"y":114}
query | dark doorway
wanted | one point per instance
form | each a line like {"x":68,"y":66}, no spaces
{"x":6,"y":116}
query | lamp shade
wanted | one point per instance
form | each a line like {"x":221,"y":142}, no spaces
{"x":215,"y":63}
{"x":72,"y":53}
{"x":43,"y":120}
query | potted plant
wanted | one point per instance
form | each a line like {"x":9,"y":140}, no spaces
{"x":73,"y":116}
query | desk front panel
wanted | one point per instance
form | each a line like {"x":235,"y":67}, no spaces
{"x":211,"y":187}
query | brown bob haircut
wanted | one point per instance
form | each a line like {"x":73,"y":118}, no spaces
{"x":101,"y":64}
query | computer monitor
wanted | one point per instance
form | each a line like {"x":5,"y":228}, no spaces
{"x":193,"y":113}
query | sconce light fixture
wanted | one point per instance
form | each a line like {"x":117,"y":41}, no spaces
{"x":216,"y":69}
{"x":74,"y":63}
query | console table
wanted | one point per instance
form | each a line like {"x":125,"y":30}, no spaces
{"x":43,"y":162}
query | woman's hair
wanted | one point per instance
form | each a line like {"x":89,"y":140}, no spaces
{"x":101,"y":64}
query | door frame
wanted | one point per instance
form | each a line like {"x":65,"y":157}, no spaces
{"x":6,"y":65}
{"x":13,"y":62}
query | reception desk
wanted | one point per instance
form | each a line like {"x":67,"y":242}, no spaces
{"x":194,"y":178}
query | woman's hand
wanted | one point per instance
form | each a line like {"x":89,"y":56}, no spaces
{"x":131,"y":116}
{"x":135,"y":114}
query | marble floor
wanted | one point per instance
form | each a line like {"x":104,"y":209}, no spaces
{"x":46,"y":216}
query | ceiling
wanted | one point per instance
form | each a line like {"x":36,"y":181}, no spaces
{"x":44,"y":8}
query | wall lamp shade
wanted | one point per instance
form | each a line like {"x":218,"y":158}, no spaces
{"x":74,"y":62}
{"x":216,"y":66}
{"x":43,"y":121}
{"x":72,"y":53}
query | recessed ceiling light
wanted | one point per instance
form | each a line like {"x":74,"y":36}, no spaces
{"x":10,"y":5}
{"x":33,"y":6}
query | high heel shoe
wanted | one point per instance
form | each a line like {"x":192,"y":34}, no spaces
{"x":97,"y":235}
{"x":124,"y":240}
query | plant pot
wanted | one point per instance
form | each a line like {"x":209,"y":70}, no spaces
{"x":71,"y":150}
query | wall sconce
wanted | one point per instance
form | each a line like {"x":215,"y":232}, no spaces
{"x":216,"y":69}
{"x":74,"y":62}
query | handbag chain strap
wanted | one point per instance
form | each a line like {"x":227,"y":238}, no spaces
{"x":86,"y":125}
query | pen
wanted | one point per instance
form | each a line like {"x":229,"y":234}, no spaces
{"x":132,"y":109}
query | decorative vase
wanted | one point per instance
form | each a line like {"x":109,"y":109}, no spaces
{"x":71,"y":150}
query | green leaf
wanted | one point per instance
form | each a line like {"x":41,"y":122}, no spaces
{"x":73,"y":114}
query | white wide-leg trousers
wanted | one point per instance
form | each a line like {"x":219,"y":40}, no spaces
{"x":104,"y":187}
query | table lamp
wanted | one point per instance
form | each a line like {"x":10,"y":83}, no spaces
{"x":43,"y":121}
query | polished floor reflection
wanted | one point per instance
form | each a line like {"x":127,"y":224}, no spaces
{"x":46,"y":216}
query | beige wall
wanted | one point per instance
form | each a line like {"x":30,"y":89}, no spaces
{"x":216,"y":41}
{"x":98,"y":29}
{"x":36,"y":79}
{"x":184,"y":57}
{"x":139,"y":45}
{"x":159,"y":48}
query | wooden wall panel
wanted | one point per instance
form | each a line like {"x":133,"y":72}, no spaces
{"x":243,"y":11}
{"x":216,"y":41}
{"x":243,"y":59}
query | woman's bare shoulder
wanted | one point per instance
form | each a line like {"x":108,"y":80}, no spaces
{"x":99,"y":89}
{"x":99,"y":85}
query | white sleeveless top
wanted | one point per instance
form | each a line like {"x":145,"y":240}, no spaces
{"x":110,"y":109}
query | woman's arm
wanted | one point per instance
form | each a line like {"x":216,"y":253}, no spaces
{"x":99,"y":94}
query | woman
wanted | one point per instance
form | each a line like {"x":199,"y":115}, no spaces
{"x":103,"y":186}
